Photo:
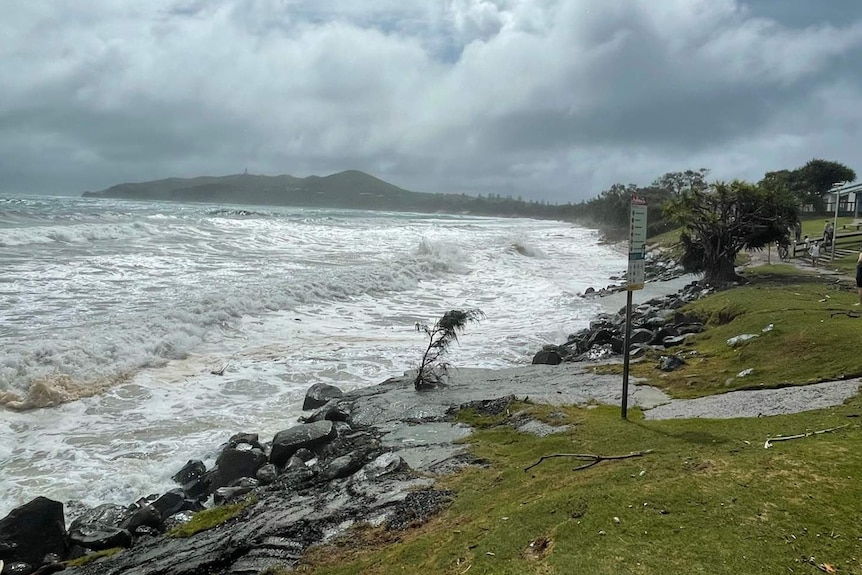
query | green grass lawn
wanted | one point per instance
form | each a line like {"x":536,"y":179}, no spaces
{"x":709,"y":499}
{"x":812,"y":334}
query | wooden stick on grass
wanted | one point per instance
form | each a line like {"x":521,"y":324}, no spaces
{"x":771,"y":440}
{"x":593,"y":459}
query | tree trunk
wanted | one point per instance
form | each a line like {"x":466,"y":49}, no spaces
{"x":721,"y":271}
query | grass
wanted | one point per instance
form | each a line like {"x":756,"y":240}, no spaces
{"x":812,"y":338}
{"x":710,"y":499}
{"x":90,"y":557}
{"x":209,"y":518}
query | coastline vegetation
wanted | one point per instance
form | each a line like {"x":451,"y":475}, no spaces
{"x":91,"y":557}
{"x":806,"y":326}
{"x":210,"y":518}
{"x":710,"y":498}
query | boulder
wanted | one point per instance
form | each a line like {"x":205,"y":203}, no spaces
{"x":674,"y":340}
{"x":319,"y":395}
{"x":547,"y":357}
{"x":98,"y":536}
{"x":105,"y":514}
{"x":267,"y":474}
{"x":142,"y":514}
{"x":34,"y":530}
{"x":641,"y":335}
{"x":600,"y":337}
{"x":192,"y":470}
{"x":173,"y":502}
{"x":685,"y":328}
{"x":309,"y":435}
{"x":241,"y":440}
{"x":332,"y":411}
{"x":235,"y":463}
{"x":235,"y":490}
{"x":670,"y":363}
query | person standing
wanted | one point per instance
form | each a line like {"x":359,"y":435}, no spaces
{"x":859,"y":278}
{"x":814,"y":251}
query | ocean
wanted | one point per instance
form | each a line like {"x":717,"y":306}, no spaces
{"x":137,"y":335}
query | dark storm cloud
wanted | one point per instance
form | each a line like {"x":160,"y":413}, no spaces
{"x":550,"y":100}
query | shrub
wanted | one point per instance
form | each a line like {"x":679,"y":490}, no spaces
{"x":432,"y":368}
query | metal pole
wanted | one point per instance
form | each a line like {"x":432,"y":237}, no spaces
{"x":626,"y":345}
{"x":835,"y":225}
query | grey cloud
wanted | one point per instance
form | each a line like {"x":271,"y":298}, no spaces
{"x":553,"y":100}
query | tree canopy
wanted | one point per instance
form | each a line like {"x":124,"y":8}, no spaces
{"x":721,"y":220}
{"x":810,"y":183}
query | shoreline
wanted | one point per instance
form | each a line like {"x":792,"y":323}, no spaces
{"x":392,"y":442}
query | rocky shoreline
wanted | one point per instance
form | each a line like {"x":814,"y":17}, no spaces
{"x":368,"y":456}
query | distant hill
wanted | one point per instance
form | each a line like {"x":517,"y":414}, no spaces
{"x":351,"y":189}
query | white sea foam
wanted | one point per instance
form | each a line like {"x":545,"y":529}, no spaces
{"x":119,"y":321}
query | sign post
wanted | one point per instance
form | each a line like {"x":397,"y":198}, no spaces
{"x":635,"y":279}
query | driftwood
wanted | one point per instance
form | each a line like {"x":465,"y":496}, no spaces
{"x":593,"y":459}
{"x":771,"y":440}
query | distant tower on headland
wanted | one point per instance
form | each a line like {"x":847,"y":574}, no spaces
{"x":245,"y":173}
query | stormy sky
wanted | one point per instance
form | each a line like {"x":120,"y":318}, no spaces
{"x":545,"y":99}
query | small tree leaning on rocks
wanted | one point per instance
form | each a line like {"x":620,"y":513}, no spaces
{"x":432,"y":368}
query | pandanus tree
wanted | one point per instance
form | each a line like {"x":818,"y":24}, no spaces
{"x":726,"y":218}
{"x":433,"y":368}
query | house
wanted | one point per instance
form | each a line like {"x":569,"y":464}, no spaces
{"x":848,"y":197}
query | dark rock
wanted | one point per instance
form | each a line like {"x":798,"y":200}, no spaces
{"x":600,"y":337}
{"x":484,"y":407}
{"x":319,"y":395}
{"x":142,"y":514}
{"x":332,"y":411}
{"x":417,"y":507}
{"x":250,"y":439}
{"x":309,"y":435}
{"x":178,"y":519}
{"x":294,"y":462}
{"x":234,"y":463}
{"x":49,"y":568}
{"x":293,"y":479}
{"x":641,"y":335}
{"x":198,"y":489}
{"x":386,"y":464}
{"x":18,"y":568}
{"x":638,"y":350}
{"x":686,"y":328}
{"x":661,"y":334}
{"x":106,"y":514}
{"x":34,"y":530}
{"x":224,"y":495}
{"x":670,"y":363}
{"x":98,"y":536}
{"x":547,"y":357}
{"x":170,"y":503}
{"x":267,"y":474}
{"x":192,"y":470}
{"x":146,"y":531}
{"x":343,"y":466}
{"x":674,"y":340}
{"x":305,"y":454}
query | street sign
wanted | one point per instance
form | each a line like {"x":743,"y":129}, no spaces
{"x":635,"y":276}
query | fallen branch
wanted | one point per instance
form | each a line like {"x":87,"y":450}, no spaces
{"x":593,"y":459}
{"x":771,"y":440}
